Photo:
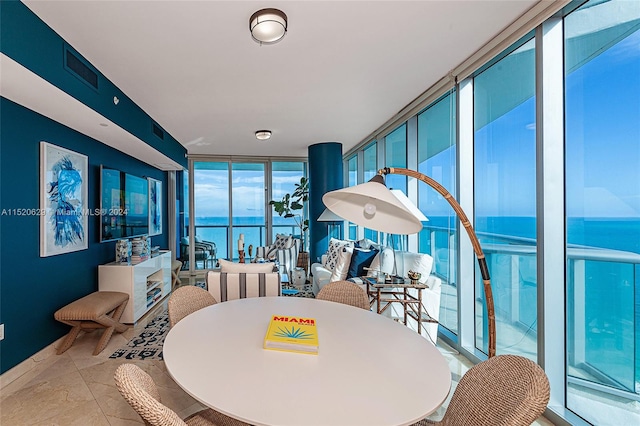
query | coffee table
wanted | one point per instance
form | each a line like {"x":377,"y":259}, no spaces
{"x":370,"y":370}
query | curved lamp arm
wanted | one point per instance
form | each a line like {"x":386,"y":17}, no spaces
{"x":484,"y":271}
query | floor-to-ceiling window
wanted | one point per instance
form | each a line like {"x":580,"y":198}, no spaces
{"x":352,"y":164}
{"x":284,"y":177}
{"x":211,"y":205}
{"x":230,"y":199}
{"x":505,"y":197}
{"x":395,"y":155}
{"x":437,"y":159}
{"x":370,"y":170}
{"x":602,"y":143}
{"x":248,"y":205}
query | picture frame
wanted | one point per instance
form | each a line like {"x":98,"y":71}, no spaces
{"x":155,"y":206}
{"x":63,"y":200}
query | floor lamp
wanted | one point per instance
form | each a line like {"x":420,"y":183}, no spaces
{"x":373,"y":206}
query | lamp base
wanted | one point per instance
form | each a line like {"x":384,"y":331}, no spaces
{"x":392,"y":279}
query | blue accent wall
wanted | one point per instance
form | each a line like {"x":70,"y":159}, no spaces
{"x":33,"y":288}
{"x":325,"y":174}
{"x":26,"y":39}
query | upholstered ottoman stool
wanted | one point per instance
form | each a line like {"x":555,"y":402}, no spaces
{"x":101,"y":309}
{"x":176,"y":265}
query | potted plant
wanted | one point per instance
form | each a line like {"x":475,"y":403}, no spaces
{"x":293,"y":206}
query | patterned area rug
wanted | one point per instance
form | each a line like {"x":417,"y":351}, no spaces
{"x":288,"y":290}
{"x":148,"y":344}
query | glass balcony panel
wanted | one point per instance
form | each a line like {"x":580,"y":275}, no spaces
{"x":602,"y":180}
{"x":396,"y":156}
{"x":211,"y":205}
{"x":437,"y":159}
{"x":505,"y":198}
{"x":249,"y":215}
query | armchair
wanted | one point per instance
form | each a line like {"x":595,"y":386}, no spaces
{"x":285,"y":250}
{"x":204,"y":251}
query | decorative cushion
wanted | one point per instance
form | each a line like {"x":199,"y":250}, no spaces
{"x":360,"y":259}
{"x":341,"y":269}
{"x":227,"y":266}
{"x":417,"y":262}
{"x":382,"y":262}
{"x":282,"y":242}
{"x":365,"y":243}
{"x":335,"y":247}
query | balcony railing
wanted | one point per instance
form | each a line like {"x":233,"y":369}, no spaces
{"x":253,"y":235}
{"x":602,"y":312}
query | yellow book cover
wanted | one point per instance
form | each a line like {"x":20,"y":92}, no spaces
{"x":292,"y":334}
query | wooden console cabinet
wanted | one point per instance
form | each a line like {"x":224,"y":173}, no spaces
{"x":146,"y":282}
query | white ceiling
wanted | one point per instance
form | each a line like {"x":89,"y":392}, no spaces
{"x":343,"y":69}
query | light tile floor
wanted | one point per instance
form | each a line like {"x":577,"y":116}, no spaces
{"x":77,"y":388}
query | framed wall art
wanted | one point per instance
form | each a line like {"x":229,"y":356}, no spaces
{"x":155,"y":207}
{"x":63,"y":200}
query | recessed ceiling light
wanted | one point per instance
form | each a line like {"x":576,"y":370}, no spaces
{"x":263,"y":134}
{"x":104,"y":124}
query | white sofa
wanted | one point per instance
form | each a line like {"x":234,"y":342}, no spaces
{"x":406,"y":261}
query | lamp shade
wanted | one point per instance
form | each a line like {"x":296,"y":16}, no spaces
{"x":329,"y":216}
{"x":268,"y":26}
{"x":409,"y":205}
{"x":373,"y":206}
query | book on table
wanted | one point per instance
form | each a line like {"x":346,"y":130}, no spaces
{"x":292,"y":334}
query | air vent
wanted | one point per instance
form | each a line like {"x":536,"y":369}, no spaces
{"x":158,"y":131}
{"x":80,"y":69}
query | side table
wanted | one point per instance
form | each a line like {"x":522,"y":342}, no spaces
{"x":384,"y":294}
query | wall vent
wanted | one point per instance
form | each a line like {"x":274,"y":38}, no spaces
{"x":158,"y":131}
{"x":80,"y":69}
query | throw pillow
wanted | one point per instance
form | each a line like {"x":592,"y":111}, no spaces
{"x":418,"y":262}
{"x":249,"y":268}
{"x":341,"y":269}
{"x":383,"y":262}
{"x":365,"y":243}
{"x":335,"y":247}
{"x":283,"y":241}
{"x":360,"y":259}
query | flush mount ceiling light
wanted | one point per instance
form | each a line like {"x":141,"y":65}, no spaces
{"x":263,"y":135}
{"x":268,"y":26}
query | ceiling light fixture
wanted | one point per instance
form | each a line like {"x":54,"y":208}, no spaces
{"x":268,"y":26}
{"x":263,"y":135}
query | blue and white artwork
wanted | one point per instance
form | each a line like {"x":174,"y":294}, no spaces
{"x":63,"y":198}
{"x":155,"y":207}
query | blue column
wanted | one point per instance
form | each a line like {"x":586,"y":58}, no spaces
{"x":325,"y":174}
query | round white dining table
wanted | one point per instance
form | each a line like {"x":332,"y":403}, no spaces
{"x":369,"y":370}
